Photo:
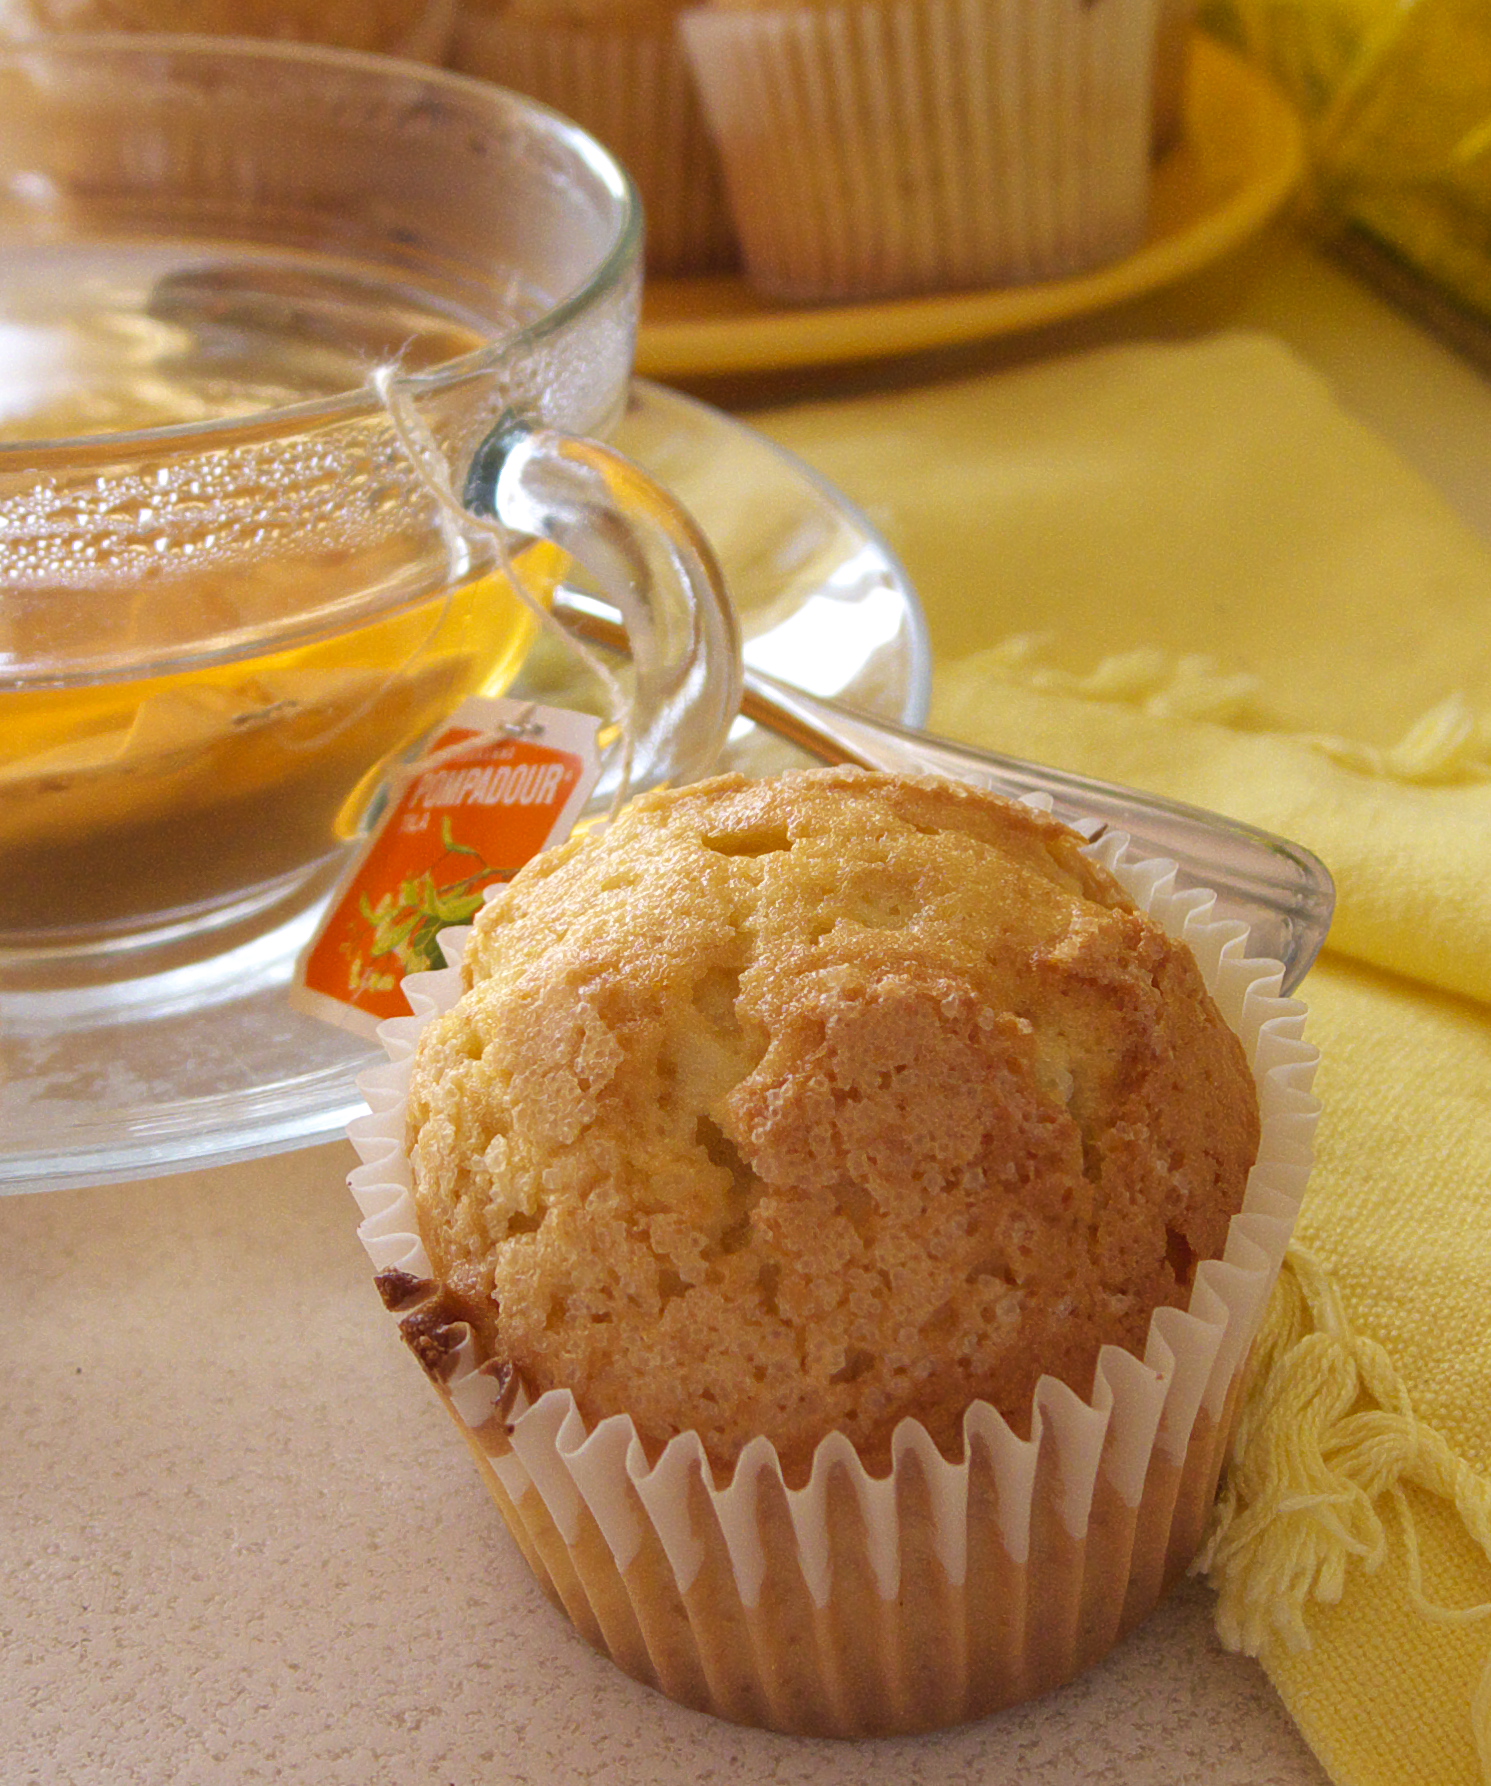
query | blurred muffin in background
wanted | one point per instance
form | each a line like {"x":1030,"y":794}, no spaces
{"x":883,"y":148}
{"x":415,"y":28}
{"x":617,"y":67}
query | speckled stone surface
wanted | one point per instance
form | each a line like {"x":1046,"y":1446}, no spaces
{"x":243,"y":1543}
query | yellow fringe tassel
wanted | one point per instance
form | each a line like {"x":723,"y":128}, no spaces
{"x":1327,"y":1440}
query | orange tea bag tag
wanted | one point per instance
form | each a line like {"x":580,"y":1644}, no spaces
{"x":500,"y":782}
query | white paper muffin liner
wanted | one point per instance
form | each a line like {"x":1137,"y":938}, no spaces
{"x":857,"y":1605}
{"x":901,"y":146}
{"x":633,"y":90}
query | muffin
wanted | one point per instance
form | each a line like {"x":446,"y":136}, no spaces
{"x":881,"y":148}
{"x":617,"y":67}
{"x":798,"y":1172}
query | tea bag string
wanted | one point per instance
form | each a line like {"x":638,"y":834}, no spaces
{"x":521,"y":725}
{"x":433,"y":471}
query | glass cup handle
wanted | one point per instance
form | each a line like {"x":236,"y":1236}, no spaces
{"x":648,"y":555}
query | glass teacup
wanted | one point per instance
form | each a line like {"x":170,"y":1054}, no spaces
{"x":228,"y":597}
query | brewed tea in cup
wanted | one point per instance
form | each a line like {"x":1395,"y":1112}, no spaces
{"x":228,"y":597}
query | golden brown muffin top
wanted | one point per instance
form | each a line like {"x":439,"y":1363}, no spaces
{"x":818,"y":1102}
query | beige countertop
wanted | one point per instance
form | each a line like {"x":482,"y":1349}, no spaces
{"x":243,"y":1543}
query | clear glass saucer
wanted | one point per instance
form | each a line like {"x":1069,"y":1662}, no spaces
{"x":200,"y":1067}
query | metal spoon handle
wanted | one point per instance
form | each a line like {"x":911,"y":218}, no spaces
{"x":1283,"y":892}
{"x":1279,"y":888}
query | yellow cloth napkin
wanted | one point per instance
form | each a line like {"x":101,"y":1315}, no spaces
{"x":1186,"y":567}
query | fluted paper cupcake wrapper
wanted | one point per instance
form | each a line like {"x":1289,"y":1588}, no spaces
{"x":876,"y":149}
{"x":857,"y":1605}
{"x":633,"y":90}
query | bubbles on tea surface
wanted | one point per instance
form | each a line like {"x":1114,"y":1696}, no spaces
{"x":346,"y":491}
{"x":105,"y":338}
{"x":205,"y":547}
{"x":100,"y":340}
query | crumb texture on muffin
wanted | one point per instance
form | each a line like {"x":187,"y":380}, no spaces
{"x":817,"y":1103}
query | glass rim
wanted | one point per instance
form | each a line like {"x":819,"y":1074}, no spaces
{"x":622,"y":255}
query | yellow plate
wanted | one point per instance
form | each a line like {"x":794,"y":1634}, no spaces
{"x":1241,"y":157}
